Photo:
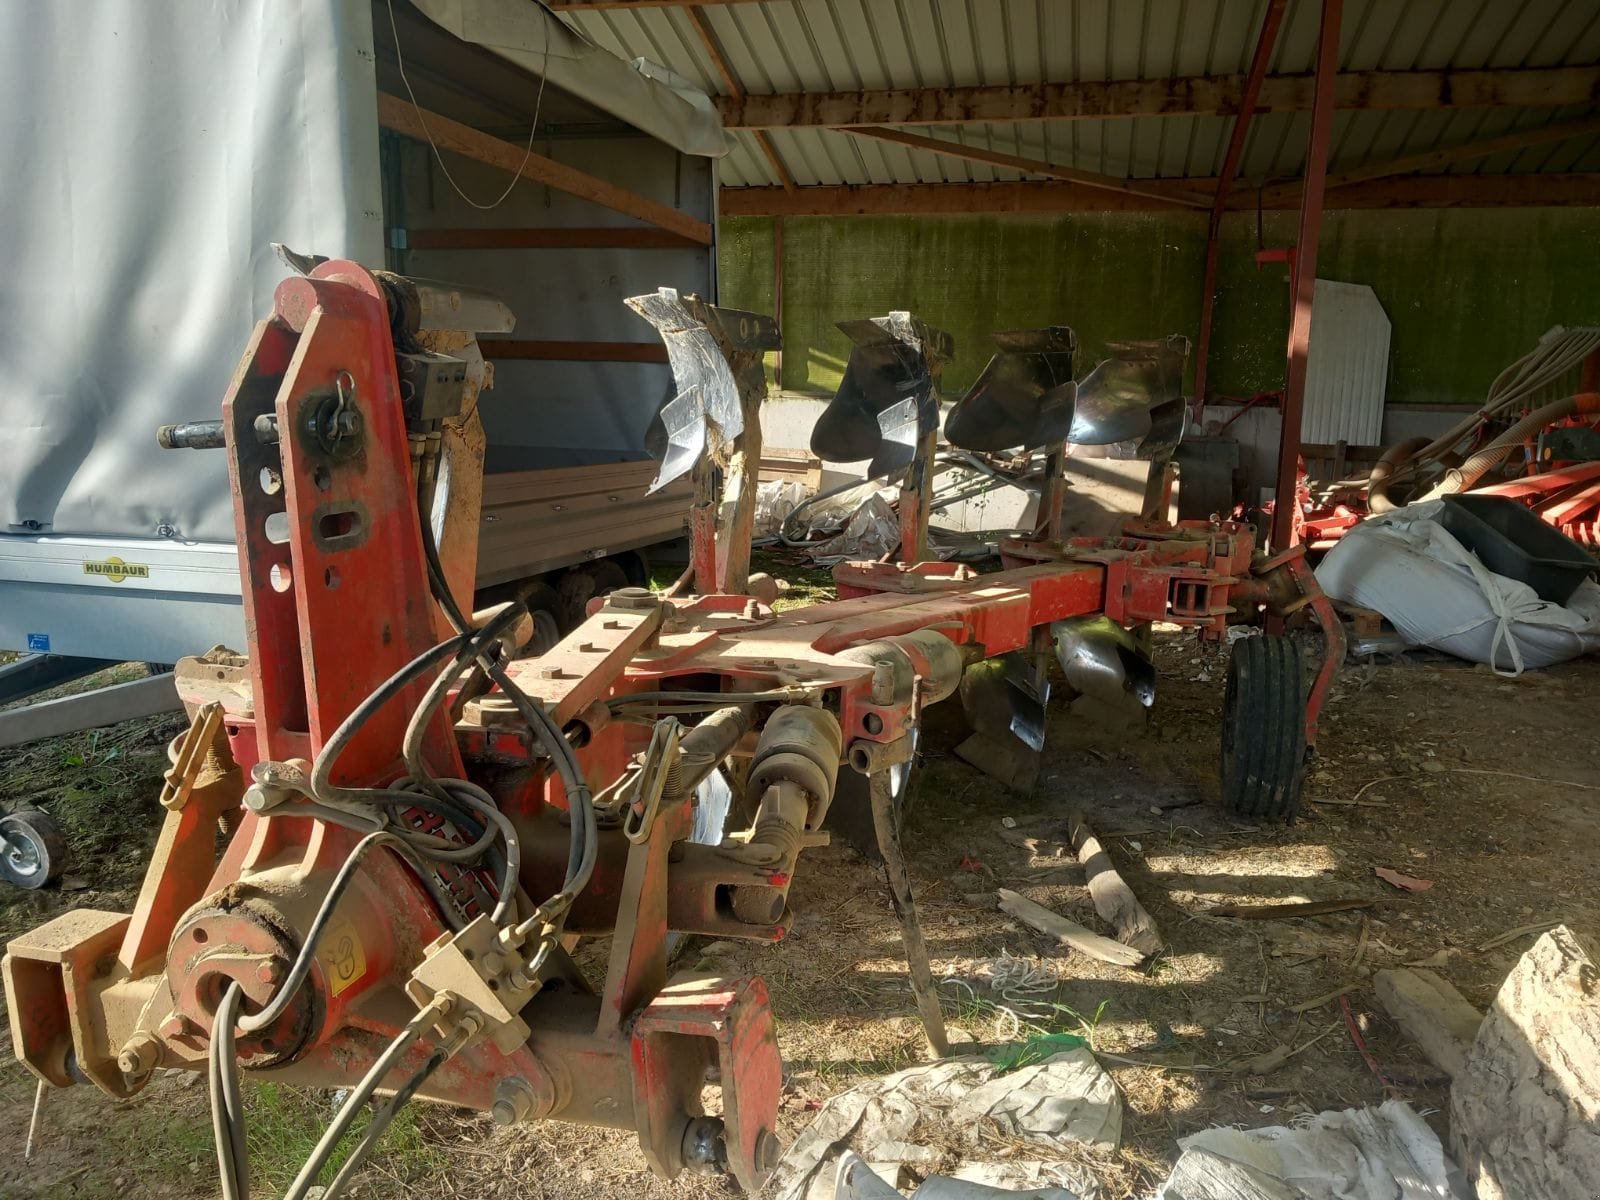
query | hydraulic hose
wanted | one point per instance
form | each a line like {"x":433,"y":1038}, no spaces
{"x":1462,"y":478}
{"x":1378,"y":499}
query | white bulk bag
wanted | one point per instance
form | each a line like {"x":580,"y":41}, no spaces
{"x":1437,"y":593}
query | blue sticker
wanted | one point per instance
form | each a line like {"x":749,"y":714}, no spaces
{"x":38,"y":643}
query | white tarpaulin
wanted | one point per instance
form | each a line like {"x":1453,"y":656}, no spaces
{"x":152,"y":153}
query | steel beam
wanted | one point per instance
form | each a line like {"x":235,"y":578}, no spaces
{"x":1184,"y":96}
{"x":1053,"y":196}
{"x":1171,"y":197}
{"x":89,"y":710}
{"x":1432,"y":160}
{"x":35,"y":672}
{"x":1305,"y":276}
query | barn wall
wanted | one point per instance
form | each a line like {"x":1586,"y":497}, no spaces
{"x":1467,"y":290}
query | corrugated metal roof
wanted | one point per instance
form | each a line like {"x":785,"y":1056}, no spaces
{"x":779,"y":46}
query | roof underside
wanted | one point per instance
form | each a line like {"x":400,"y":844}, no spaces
{"x":786,"y":46}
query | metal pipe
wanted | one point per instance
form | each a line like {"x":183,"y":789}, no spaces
{"x":775,"y":841}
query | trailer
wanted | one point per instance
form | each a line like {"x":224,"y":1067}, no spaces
{"x":342,"y":130}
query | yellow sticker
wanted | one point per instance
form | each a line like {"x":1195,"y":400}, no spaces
{"x":342,"y":956}
{"x":116,"y":570}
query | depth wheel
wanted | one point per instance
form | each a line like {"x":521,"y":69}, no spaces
{"x":34,"y":852}
{"x":1264,"y":729}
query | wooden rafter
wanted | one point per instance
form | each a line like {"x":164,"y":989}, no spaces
{"x":1432,"y":160}
{"x":534,"y":351}
{"x":708,"y":39}
{"x":626,"y":237}
{"x":573,"y":5}
{"x":1170,"y":197}
{"x":1052,"y":196}
{"x":1179,"y":97}
{"x":399,"y":115}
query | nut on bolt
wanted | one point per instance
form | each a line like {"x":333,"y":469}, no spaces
{"x":140,"y":1056}
{"x":514,"y":1100}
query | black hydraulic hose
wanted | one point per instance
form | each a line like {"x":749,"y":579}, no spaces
{"x":580,"y":799}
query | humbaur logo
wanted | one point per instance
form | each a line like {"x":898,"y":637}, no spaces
{"x":116,"y":570}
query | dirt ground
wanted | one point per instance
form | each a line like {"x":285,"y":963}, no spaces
{"x":1437,"y":769}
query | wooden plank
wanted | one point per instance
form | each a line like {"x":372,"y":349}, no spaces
{"x":1432,"y":160}
{"x":598,"y":5}
{"x":1113,"y":898}
{"x":588,"y":238}
{"x":1068,"y":933}
{"x":1033,"y":166}
{"x":1054,"y":196}
{"x":554,"y":351}
{"x":708,"y":39}
{"x":1434,"y":1015}
{"x":399,"y":115}
{"x":1185,"y":96}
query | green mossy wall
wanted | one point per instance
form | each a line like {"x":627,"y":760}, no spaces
{"x":1467,"y":290}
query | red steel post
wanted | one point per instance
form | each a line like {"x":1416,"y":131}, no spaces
{"x":1304,"y":279}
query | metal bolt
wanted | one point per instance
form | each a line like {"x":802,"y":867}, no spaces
{"x":705,"y":1151}
{"x":269,"y":971}
{"x":513,"y":1100}
{"x":140,"y":1056}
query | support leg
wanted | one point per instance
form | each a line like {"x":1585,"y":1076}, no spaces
{"x":905,"y":908}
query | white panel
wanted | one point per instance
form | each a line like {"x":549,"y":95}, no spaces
{"x":1347,"y":371}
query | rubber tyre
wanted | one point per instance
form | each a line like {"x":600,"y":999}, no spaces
{"x":582,"y":584}
{"x":1264,"y":729}
{"x":36,"y":851}
{"x":545,"y":607}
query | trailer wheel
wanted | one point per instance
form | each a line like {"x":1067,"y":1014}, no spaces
{"x":1264,"y":729}
{"x":34,"y":852}
{"x":582,"y":584}
{"x":544,"y":606}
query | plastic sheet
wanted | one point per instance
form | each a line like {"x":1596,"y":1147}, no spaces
{"x":1383,"y":1153}
{"x":1067,"y":1098}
